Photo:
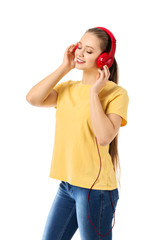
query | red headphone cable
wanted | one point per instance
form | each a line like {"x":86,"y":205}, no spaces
{"x":110,"y":195}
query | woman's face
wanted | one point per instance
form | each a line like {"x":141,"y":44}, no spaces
{"x":88,"y":51}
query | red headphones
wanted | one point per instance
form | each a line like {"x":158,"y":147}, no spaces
{"x":106,"y":58}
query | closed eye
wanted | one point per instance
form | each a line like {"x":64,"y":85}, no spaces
{"x":87,"y":51}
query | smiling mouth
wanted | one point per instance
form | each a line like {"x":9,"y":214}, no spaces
{"x":80,"y":61}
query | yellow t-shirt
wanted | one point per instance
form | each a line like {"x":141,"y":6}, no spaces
{"x":75,"y":156}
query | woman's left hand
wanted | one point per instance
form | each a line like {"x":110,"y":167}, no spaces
{"x":102,"y":79}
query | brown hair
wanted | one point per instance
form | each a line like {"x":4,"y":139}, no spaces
{"x":105,"y":45}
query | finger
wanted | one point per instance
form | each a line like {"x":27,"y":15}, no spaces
{"x":107,"y":72}
{"x":72,"y":45}
{"x":71,"y":48}
{"x":104,"y":71}
{"x":101,"y":73}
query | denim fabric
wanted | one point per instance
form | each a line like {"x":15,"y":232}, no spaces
{"x":69,"y":213}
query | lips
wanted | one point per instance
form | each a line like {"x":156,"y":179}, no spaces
{"x":80,"y":60}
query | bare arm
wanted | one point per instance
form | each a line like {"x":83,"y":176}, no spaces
{"x":38,"y":93}
{"x":105,"y":126}
{"x":42,"y":94}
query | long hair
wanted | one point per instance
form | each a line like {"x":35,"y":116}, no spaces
{"x":105,"y":45}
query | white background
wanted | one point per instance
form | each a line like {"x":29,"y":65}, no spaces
{"x":34,"y":37}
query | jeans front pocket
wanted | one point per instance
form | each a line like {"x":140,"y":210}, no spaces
{"x":110,"y":197}
{"x":115,"y":197}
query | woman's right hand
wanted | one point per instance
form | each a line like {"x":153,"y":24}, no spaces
{"x":69,"y":56}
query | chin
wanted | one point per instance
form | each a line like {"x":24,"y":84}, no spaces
{"x":80,"y":67}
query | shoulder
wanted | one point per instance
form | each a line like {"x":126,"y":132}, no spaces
{"x":61,"y":85}
{"x":69,"y":83}
{"x":114,"y":89}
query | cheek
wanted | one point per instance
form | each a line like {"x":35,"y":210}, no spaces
{"x":92,"y":59}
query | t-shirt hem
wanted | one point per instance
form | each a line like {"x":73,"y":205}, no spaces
{"x":104,"y":187}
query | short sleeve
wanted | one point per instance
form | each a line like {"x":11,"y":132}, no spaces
{"x":58,"y":88}
{"x":119,"y":105}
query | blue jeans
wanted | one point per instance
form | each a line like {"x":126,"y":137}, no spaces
{"x":69,"y":212}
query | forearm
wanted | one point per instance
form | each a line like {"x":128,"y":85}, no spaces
{"x":101,"y":124}
{"x":39,"y":92}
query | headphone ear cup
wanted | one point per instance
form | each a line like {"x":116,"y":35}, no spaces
{"x":104,"y":59}
{"x":101,"y":60}
{"x":76,"y":47}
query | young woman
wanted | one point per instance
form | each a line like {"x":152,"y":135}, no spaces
{"x":85,"y":154}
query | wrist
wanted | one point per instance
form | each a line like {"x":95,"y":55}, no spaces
{"x":65,"y":68}
{"x":93,"y":92}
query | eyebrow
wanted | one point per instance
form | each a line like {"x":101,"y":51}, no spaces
{"x":87,"y":45}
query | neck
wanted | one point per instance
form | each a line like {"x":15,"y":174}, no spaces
{"x":89,"y":76}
